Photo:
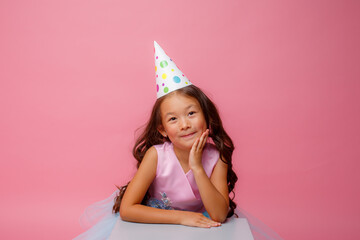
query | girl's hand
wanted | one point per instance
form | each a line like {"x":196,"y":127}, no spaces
{"x":194,"y":219}
{"x":196,"y":151}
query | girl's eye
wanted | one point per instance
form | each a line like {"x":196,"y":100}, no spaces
{"x":191,"y":113}
{"x":172,"y":119}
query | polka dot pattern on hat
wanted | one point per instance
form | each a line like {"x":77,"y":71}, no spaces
{"x":169,"y":77}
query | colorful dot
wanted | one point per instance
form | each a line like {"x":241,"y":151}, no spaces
{"x":157,"y":57}
{"x":164,"y":76}
{"x":157,"y":87}
{"x":157,"y":75}
{"x":186,"y":82}
{"x":163,"y":64}
{"x":163,"y":84}
{"x":166,"y":89}
{"x":155,"y":68}
{"x":170,"y":59}
{"x":172,"y":69}
{"x":183,"y":74}
{"x":176,"y":79}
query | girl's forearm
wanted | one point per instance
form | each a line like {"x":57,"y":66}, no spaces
{"x":145,"y":214}
{"x":214,"y":202}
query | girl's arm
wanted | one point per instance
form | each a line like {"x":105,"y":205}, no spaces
{"x":132,"y":210}
{"x":214,"y":190}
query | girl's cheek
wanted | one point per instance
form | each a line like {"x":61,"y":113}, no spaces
{"x":171,"y":128}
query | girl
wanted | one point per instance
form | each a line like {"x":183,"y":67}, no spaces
{"x":184,"y":159}
{"x":178,"y":129}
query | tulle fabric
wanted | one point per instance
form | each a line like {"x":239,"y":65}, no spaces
{"x":99,"y":221}
{"x":259,"y":230}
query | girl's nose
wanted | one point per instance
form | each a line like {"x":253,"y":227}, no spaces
{"x":185,"y":124}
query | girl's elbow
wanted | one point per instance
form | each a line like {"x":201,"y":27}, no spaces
{"x":223,"y":219}
{"x":219,"y":219}
{"x":123,"y":213}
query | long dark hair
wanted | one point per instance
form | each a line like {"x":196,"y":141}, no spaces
{"x":151,"y":136}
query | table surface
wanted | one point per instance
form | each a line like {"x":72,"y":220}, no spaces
{"x":233,"y":228}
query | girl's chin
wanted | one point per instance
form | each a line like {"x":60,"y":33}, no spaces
{"x":186,"y":147}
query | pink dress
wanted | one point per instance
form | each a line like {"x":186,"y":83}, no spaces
{"x":175,"y":188}
{"x":172,"y":188}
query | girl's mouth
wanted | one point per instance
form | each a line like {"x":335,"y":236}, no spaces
{"x":188,"y":135}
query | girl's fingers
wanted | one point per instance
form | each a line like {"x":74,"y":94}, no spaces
{"x":200,"y":142}
{"x":208,"y":222}
{"x":206,"y":137}
{"x":198,"y":220}
{"x":203,"y":139}
{"x":195,"y":144}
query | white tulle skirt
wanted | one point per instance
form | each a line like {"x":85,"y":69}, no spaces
{"x":99,"y":221}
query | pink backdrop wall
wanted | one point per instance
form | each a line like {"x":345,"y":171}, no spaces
{"x":77,"y":79}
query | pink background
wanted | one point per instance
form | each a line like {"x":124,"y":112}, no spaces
{"x":77,"y":80}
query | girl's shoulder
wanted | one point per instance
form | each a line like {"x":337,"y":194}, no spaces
{"x":151,"y":153}
{"x":163,"y":146}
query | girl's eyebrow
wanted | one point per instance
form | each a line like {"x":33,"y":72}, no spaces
{"x":171,"y":113}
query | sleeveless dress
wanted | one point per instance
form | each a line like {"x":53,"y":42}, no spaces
{"x":175,"y":188}
{"x":172,"y":188}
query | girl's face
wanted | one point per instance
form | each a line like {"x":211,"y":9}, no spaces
{"x":182,"y":120}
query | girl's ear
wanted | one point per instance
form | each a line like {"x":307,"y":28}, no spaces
{"x":162,"y":131}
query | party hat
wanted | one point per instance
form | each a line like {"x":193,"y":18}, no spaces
{"x":168,"y":76}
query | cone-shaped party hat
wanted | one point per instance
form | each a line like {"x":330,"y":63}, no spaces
{"x":168,"y":76}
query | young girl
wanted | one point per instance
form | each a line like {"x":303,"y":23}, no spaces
{"x":184,"y":159}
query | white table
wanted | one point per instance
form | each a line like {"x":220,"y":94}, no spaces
{"x":233,"y":228}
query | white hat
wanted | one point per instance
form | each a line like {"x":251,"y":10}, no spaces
{"x":168,"y":76}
